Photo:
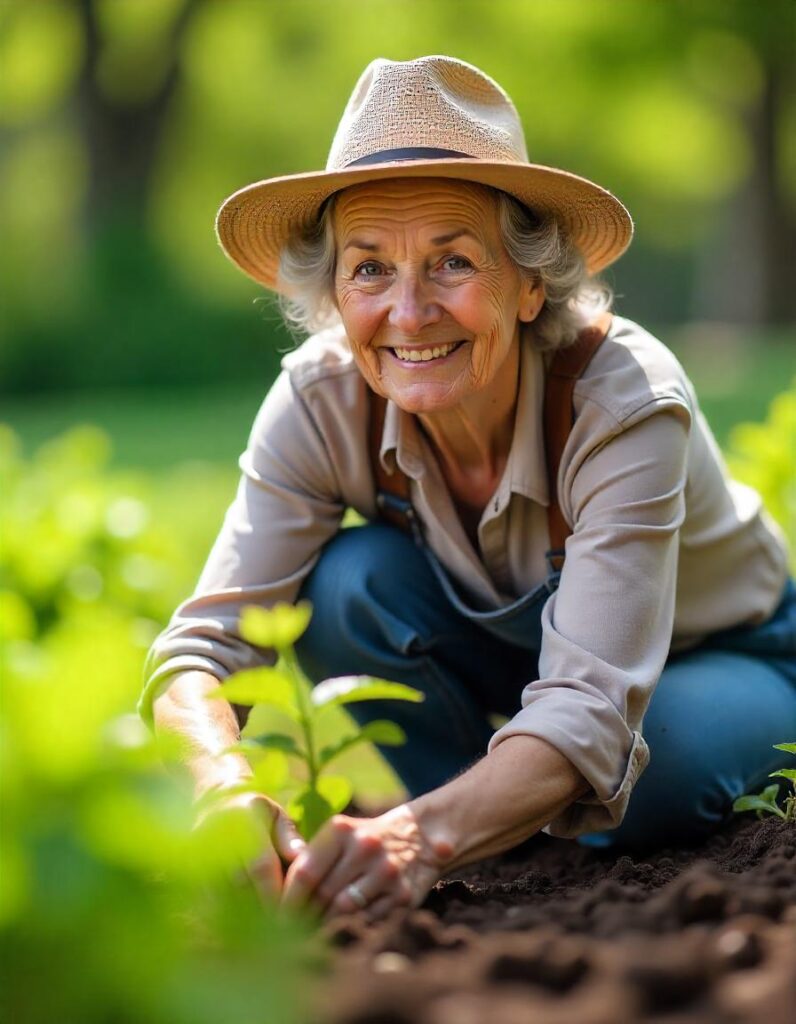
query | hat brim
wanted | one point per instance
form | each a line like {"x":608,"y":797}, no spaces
{"x":254,"y":223}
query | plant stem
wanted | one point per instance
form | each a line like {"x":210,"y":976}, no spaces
{"x":288,"y":655}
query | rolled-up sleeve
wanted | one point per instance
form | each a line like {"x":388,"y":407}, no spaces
{"x":607,"y":630}
{"x":287,"y":506}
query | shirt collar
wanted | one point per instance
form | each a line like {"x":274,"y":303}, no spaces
{"x":400,"y":443}
{"x":527,"y":468}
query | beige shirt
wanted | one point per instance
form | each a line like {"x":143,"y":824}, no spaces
{"x":665,"y":546}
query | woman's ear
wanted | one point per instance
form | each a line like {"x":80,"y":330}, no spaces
{"x":531,"y":299}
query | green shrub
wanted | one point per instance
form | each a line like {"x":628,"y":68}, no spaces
{"x":113,"y":906}
{"x":763,"y":455}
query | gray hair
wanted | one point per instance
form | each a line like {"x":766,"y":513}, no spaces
{"x":538,"y":246}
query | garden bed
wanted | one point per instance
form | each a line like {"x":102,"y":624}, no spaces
{"x":556,"y":933}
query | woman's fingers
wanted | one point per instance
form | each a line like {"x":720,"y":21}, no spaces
{"x":383,"y":889}
{"x":363,"y":860}
{"x":286,"y":837}
{"x":314,"y":862}
{"x":265,"y":874}
{"x":386,"y":858}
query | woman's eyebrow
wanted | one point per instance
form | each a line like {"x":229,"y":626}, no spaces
{"x":445,"y":239}
{"x":356,"y":243}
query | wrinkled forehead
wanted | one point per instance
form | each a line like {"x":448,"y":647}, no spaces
{"x":419,"y":202}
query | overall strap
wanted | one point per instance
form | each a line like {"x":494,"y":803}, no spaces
{"x":392,"y":489}
{"x":565,"y":369}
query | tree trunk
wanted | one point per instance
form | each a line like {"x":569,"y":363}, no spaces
{"x":121,"y":140}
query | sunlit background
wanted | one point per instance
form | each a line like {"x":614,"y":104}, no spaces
{"x":133,"y":358}
{"x":124,"y":123}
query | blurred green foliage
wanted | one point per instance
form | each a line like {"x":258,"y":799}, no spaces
{"x":73,"y":539}
{"x":763,"y":455}
{"x":112,"y":906}
{"x":124,"y":123}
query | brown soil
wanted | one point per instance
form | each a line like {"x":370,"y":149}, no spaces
{"x":553,"y":933}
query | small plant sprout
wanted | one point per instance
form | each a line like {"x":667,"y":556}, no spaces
{"x":766,"y":802}
{"x":285,"y":688}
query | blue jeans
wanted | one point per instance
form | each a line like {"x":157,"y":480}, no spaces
{"x":383,"y":606}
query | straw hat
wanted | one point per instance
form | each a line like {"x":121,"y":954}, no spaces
{"x":431,"y":117}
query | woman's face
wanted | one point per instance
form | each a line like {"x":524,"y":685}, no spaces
{"x":429,"y":298}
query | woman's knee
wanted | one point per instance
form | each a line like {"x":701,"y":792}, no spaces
{"x":678,"y":805}
{"x":710,"y":727}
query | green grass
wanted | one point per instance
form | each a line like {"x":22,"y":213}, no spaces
{"x":735,"y":375}
{"x":150,"y":429}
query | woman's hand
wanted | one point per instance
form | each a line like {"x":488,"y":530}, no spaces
{"x":266,"y":872}
{"x":389,"y":857}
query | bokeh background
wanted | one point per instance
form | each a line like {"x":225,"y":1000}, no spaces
{"x":133,"y":358}
{"x":124,"y":123}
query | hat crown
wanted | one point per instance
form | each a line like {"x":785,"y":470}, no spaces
{"x":429,"y":102}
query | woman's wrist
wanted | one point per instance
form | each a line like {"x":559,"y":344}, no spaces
{"x":196,"y":734}
{"x":215,"y":773}
{"x":500,"y":801}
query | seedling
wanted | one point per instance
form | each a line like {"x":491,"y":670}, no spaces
{"x":286,"y":688}
{"x":766,"y":802}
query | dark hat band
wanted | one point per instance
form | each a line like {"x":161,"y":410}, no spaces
{"x":409,"y":153}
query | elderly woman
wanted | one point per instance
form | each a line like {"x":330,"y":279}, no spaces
{"x":552,"y":535}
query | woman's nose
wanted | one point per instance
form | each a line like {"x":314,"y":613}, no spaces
{"x":412,"y":307}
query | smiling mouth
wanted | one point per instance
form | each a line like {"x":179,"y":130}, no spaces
{"x":425,"y":355}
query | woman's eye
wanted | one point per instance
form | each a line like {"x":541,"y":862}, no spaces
{"x":368,"y":269}
{"x":456,"y":263}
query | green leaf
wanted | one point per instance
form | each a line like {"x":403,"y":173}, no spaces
{"x":260,"y":686}
{"x":387,"y":733}
{"x":271,"y":772}
{"x":765,"y":801}
{"x":789,"y":747}
{"x":349,"y":689}
{"x":770,"y":793}
{"x":309,"y":810}
{"x":336,"y":791}
{"x":786,"y":773}
{"x":278,"y":626}
{"x":280,"y":741}
{"x":752,"y":803}
{"x":390,"y":734}
{"x":256,"y":746}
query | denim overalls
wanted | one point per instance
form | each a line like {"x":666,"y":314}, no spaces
{"x":385,"y":606}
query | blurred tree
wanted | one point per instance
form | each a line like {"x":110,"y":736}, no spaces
{"x":129,"y":72}
{"x":749,"y":263}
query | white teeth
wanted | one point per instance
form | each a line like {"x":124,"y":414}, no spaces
{"x":412,"y":355}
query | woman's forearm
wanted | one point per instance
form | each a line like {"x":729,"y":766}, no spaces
{"x":203,"y":728}
{"x":501,"y":800}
